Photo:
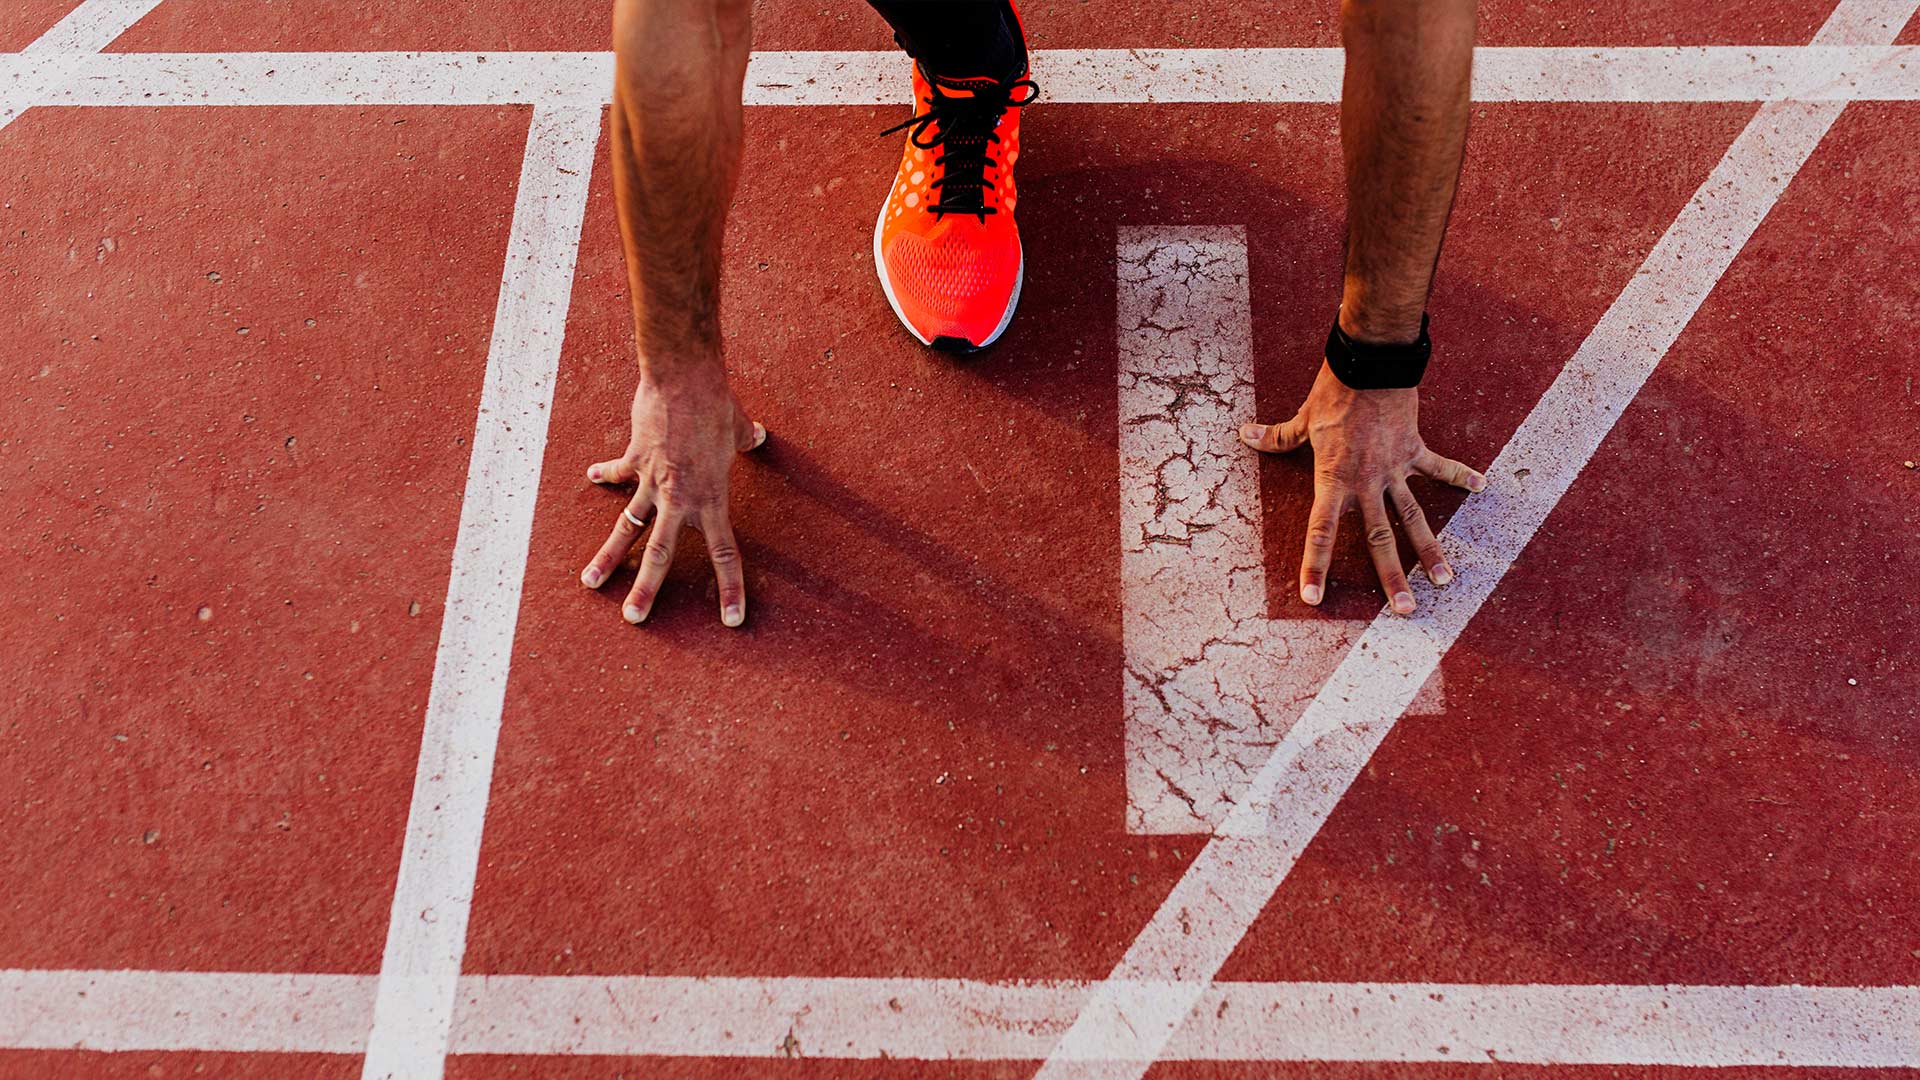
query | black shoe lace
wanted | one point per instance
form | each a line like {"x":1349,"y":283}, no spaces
{"x":963,"y":130}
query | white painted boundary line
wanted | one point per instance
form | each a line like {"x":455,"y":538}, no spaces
{"x":1703,"y":73}
{"x":959,"y":1019}
{"x":185,"y":1010}
{"x":1166,"y":971}
{"x":427,"y":932}
{"x":90,"y":27}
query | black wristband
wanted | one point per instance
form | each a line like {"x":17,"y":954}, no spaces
{"x":1370,"y":366}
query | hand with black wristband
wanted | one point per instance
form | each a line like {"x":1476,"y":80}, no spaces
{"x":1362,"y":418}
{"x":1403,"y":127}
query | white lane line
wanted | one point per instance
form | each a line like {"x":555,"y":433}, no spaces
{"x":1700,"y":73}
{"x":184,"y":1010}
{"x":92,"y":26}
{"x":559,"y":80}
{"x":1212,"y":683}
{"x":427,"y":932}
{"x":1155,"y":986}
{"x":959,"y":1019}
{"x":925,"y":1019}
{"x":1692,"y":1026}
{"x":88,"y":28}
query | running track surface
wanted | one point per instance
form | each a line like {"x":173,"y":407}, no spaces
{"x":1675,"y":754}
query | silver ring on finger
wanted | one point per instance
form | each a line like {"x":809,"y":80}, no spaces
{"x":628,"y":514}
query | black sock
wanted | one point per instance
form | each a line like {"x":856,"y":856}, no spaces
{"x":958,"y":38}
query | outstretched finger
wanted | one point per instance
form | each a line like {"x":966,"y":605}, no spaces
{"x":1275,"y":438}
{"x":1448,"y":471}
{"x":1323,"y":524}
{"x":616,"y":471}
{"x":1419,"y":533}
{"x":626,"y":529}
{"x":653,"y":566}
{"x":724,"y":550}
{"x":1386,"y":556}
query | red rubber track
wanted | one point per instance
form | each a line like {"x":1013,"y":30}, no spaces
{"x":24,"y":20}
{"x":1679,"y":743}
{"x":233,"y":465}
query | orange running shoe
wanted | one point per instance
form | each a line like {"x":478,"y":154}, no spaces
{"x":946,"y":245}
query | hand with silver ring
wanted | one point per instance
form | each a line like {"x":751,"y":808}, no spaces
{"x":685,"y":437}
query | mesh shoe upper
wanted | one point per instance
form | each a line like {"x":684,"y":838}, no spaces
{"x":947,"y":243}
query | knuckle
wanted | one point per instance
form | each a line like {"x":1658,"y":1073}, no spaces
{"x":685,"y":497}
{"x":659,"y":550}
{"x":1406,"y":504}
{"x":1380,"y":536}
{"x":724,"y":554}
{"x":1320,"y":535}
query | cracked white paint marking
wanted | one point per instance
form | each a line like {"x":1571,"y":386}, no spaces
{"x":1212,"y":682}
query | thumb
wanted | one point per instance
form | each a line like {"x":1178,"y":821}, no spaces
{"x":1275,"y":438}
{"x":749,"y":434}
{"x":619,"y":470}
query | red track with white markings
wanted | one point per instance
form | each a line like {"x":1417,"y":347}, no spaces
{"x":317,"y":760}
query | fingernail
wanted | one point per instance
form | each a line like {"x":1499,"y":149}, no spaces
{"x":1403,"y":603}
{"x":1310,"y":593}
{"x":1251,"y":434}
{"x":632,"y":614}
{"x":759,"y":434}
{"x":1476,"y":482}
{"x":1442,"y":574}
{"x":593,"y":474}
{"x":733,"y":615}
{"x":590,"y":577}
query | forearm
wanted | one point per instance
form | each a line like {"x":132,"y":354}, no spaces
{"x":677,"y":123}
{"x":1403,"y":123}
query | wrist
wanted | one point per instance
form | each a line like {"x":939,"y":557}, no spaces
{"x":1380,"y":328}
{"x":683,"y":370}
{"x":1374,"y":365}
